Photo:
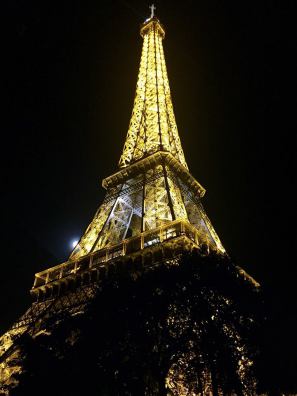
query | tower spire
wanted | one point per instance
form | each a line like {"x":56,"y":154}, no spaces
{"x":152,"y":8}
{"x":152,"y":126}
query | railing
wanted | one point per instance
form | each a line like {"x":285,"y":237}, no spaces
{"x":143,"y":240}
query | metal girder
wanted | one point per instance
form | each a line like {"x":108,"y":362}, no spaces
{"x":151,"y":198}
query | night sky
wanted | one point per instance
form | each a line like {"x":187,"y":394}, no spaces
{"x":69,"y":84}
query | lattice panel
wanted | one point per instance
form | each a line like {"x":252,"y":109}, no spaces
{"x":156,"y":204}
{"x":90,"y":236}
{"x":198,"y":218}
{"x":142,"y":203}
{"x":177,"y":201}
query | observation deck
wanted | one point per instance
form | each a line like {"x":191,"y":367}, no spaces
{"x":179,"y":231}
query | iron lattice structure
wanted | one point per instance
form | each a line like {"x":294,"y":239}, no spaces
{"x":154,"y":186}
{"x":152,"y":211}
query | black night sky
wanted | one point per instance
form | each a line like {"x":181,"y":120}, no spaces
{"x":69,"y":83}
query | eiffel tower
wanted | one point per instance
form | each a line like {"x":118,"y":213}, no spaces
{"x":152,"y":210}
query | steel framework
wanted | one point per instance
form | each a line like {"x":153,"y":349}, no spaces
{"x":153,"y":186}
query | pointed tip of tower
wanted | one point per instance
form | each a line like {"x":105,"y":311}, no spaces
{"x":152,"y":20}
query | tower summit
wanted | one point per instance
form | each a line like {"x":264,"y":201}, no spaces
{"x":152,"y":127}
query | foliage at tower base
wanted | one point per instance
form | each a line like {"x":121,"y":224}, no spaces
{"x":182,"y":327}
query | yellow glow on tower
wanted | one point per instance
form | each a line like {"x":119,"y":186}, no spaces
{"x":152,"y":126}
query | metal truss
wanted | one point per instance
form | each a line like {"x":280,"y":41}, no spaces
{"x":149,"y":200}
{"x":69,"y":303}
{"x":39,"y":314}
{"x":197,"y":215}
{"x":90,"y":236}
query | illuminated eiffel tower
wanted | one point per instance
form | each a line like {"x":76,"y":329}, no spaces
{"x":153,"y":195}
{"x":153,"y":198}
{"x":152,"y":210}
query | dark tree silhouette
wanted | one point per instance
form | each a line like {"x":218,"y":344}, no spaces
{"x":186,"y":325}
